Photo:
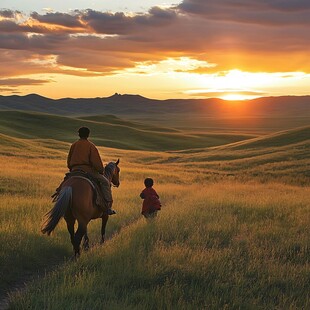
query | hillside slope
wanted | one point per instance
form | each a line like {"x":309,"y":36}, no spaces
{"x":283,"y":155}
{"x":262,"y":114}
{"x":138,"y":105}
{"x":107,"y":131}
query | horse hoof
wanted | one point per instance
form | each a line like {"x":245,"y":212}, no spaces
{"x":77,"y":254}
{"x":102,"y":239}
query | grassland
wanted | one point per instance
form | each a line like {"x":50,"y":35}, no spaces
{"x":233,"y":232}
{"x":109,"y":131}
{"x":261,"y":115}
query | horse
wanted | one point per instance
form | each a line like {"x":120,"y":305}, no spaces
{"x":75,"y":203}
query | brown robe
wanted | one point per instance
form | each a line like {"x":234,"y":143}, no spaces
{"x":84,"y":155}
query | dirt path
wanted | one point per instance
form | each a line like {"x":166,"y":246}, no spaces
{"x":5,"y":296}
{"x":26,"y":279}
{"x":22,"y":283}
{"x":18,"y":286}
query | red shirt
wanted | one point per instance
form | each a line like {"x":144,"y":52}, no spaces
{"x":151,"y":200}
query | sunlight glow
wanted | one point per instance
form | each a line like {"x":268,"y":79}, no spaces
{"x":233,"y":97}
{"x":178,"y":77}
{"x":170,"y":65}
{"x":238,"y":85}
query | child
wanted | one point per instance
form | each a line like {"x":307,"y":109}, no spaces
{"x":151,"y":203}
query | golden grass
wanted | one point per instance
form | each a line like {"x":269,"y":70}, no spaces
{"x":220,"y":241}
{"x":230,"y":245}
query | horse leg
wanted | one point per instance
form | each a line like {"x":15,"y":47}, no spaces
{"x":104,"y":218}
{"x":77,"y":239}
{"x":70,"y":220}
{"x":86,"y":242}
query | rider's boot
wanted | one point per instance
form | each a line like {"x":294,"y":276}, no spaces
{"x":107,"y":194}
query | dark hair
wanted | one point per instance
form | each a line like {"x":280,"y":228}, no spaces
{"x":148,"y":182}
{"x":84,"y":132}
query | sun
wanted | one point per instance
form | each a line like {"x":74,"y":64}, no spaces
{"x":233,"y":97}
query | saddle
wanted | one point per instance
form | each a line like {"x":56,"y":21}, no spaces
{"x":98,"y":198}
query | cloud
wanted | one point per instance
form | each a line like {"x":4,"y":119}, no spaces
{"x":181,"y":64}
{"x":202,"y":6}
{"x":9,"y":13}
{"x":120,"y":23}
{"x":16,"y":82}
{"x":60,"y":19}
{"x":273,"y":12}
{"x":223,"y":92}
{"x":12,"y":26}
{"x":7,"y":89}
{"x":16,"y":63}
{"x":250,"y":35}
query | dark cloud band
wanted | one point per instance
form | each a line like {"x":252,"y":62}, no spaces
{"x":248,"y":34}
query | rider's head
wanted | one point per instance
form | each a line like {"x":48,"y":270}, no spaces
{"x":84,"y":132}
{"x":148,"y":182}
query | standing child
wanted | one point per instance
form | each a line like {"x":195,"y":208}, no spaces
{"x":151,"y":203}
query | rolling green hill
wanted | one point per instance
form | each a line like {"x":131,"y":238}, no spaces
{"x":283,"y":155}
{"x":112,"y":119}
{"x":35,"y":148}
{"x":278,"y":139}
{"x":107,"y":131}
{"x":230,"y":231}
{"x":261,"y":115}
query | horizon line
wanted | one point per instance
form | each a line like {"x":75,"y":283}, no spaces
{"x":138,"y":95}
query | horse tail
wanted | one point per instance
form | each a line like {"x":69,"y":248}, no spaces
{"x":52,"y":217}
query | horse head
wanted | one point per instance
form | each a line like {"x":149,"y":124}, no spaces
{"x":112,"y":172}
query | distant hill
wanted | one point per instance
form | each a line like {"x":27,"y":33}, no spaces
{"x":283,"y":155}
{"x":279,"y":157}
{"x":108,"y":131}
{"x":272,"y":113}
{"x":25,"y":148}
{"x":138,"y":105}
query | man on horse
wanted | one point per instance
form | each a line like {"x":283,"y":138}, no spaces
{"x":84,"y":155}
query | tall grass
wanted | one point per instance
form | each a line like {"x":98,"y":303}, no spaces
{"x":230,"y":246}
{"x":221,"y":241}
{"x":25,"y":188}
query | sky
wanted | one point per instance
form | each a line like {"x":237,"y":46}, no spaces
{"x":230,"y":49}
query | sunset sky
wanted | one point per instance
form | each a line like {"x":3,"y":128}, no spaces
{"x":231,"y":49}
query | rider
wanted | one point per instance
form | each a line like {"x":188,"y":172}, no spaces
{"x":84,"y":155}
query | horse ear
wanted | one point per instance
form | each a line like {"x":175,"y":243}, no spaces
{"x":117,"y":162}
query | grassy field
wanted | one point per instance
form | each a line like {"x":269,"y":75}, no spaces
{"x":233,"y":232}
{"x":109,"y":131}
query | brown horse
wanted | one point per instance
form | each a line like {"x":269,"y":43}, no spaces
{"x":75,"y":203}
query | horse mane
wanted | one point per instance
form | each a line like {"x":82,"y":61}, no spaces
{"x":109,"y":169}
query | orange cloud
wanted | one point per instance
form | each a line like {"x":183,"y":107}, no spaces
{"x":21,"y":81}
{"x":268,"y":36}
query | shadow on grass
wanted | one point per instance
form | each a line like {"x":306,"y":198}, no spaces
{"x":27,"y":255}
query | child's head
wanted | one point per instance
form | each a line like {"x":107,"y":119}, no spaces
{"x":148,"y":182}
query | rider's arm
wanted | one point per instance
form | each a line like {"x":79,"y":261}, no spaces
{"x":95,"y":159}
{"x":69,"y":157}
